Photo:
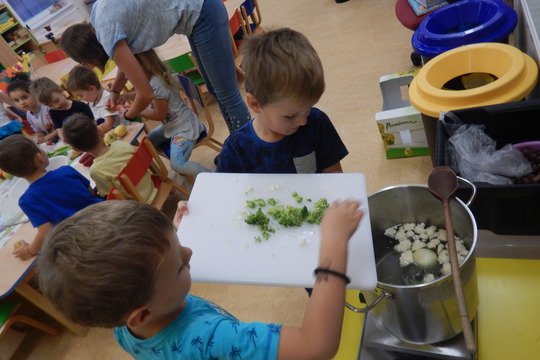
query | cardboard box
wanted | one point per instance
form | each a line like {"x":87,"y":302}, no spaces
{"x":400,"y":125}
{"x":429,"y":3}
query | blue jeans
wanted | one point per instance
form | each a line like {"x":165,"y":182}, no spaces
{"x":211,"y":46}
{"x":180,"y":152}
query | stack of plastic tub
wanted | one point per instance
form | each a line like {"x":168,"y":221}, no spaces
{"x":514,"y":72}
{"x":463,"y":23}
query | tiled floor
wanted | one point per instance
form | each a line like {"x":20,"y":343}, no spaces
{"x":358,"y":41}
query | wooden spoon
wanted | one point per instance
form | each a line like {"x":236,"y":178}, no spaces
{"x":443,"y":183}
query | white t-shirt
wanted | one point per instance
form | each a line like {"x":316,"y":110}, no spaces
{"x":99,"y":109}
{"x":4,"y":120}
{"x":41,"y":122}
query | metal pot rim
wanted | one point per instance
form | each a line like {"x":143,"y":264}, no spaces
{"x":469,"y":255}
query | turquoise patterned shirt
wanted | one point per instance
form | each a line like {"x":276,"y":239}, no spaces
{"x":207,"y":332}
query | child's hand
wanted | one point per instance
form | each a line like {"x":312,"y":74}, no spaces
{"x":180,"y":212}
{"x":22,"y":250}
{"x":342,"y":219}
{"x":115,"y":101}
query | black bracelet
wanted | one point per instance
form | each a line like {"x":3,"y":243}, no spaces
{"x":127,"y":118}
{"x":332,"y":272}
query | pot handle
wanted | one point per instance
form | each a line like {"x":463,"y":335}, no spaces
{"x":384,"y":294}
{"x":473,"y":187}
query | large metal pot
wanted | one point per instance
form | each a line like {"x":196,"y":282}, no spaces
{"x":424,"y":313}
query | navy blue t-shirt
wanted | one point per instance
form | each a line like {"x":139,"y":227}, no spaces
{"x":59,"y":116}
{"x":314,"y":147}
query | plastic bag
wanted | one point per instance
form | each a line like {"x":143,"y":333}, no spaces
{"x":476,"y":158}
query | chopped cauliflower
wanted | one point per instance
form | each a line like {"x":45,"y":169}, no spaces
{"x":431,"y":231}
{"x":442,"y":235}
{"x":432,"y":244}
{"x":409,"y":233}
{"x":418,"y":244}
{"x":391,"y":232}
{"x":406,"y":258}
{"x":444,"y":257}
{"x":446,"y":268}
{"x":409,"y":226}
{"x":420,"y":228}
{"x":400,"y":235}
{"x":403,"y":246}
{"x":429,"y":277}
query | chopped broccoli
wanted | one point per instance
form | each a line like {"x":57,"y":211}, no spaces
{"x":250,"y":204}
{"x":272,"y":202}
{"x":293,"y":216}
{"x":297,"y":197}
{"x":315,"y":216}
{"x":258,"y":218}
{"x":255,"y":202}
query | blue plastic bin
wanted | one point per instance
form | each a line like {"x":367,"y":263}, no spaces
{"x":462,"y":23}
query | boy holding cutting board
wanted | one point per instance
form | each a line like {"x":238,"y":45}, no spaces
{"x":284,"y":78}
{"x":135,"y":276}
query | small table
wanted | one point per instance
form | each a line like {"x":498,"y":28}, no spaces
{"x":16,"y":273}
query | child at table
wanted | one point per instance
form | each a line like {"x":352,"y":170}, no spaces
{"x":50,"y":94}
{"x":84,"y":83}
{"x":284,"y":78}
{"x":10,"y":123}
{"x":37,"y":114}
{"x":81,"y":132}
{"x":52,"y":195}
{"x":179,"y":127}
{"x":134,"y":275}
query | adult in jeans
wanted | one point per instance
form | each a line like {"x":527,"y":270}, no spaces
{"x":122,"y":28}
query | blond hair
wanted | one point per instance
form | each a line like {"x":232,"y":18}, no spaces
{"x":282,"y":65}
{"x":151,"y":62}
{"x":43,"y":89}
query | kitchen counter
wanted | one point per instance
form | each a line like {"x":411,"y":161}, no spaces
{"x":508,"y":316}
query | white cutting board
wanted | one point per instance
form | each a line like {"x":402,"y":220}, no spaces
{"x":224,"y":247}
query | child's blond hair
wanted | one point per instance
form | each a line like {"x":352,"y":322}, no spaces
{"x":43,"y":89}
{"x":282,"y":65}
{"x":150,"y":61}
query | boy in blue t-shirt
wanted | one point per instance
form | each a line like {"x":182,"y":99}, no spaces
{"x":52,"y":195}
{"x":134,"y":275}
{"x":50,"y":94}
{"x":284,"y":78}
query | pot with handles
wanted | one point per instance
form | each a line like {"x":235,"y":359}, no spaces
{"x":424,"y":313}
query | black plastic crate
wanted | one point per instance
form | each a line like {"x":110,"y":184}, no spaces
{"x":503,"y":209}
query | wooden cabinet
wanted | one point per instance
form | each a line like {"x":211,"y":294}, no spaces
{"x":16,"y":39}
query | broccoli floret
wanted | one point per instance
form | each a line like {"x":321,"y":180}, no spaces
{"x":272,"y":202}
{"x":293,"y":216}
{"x":315,"y":216}
{"x":258,"y":218}
{"x":297,"y":197}
{"x":276,"y":212}
{"x":250,"y":204}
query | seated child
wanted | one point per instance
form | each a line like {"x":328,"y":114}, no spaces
{"x":283,"y":78}
{"x":134,"y":275}
{"x":81,"y":132}
{"x":52,"y":195}
{"x":37,"y":114}
{"x":10,"y":123}
{"x":49,"y":93}
{"x":84,"y":83}
{"x":180,"y":127}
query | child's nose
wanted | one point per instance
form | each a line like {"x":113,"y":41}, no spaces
{"x":186,"y":253}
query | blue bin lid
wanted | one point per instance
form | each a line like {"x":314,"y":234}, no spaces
{"x":462,"y":23}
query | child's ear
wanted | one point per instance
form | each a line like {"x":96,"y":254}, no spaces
{"x":253,"y":103}
{"x":138,"y":317}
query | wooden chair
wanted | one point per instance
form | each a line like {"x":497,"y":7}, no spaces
{"x":235,"y":24}
{"x":251,"y":15}
{"x":9,"y":318}
{"x":197,"y":103}
{"x":146,"y":158}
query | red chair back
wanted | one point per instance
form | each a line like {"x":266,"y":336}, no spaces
{"x":55,"y":56}
{"x":137,"y":166}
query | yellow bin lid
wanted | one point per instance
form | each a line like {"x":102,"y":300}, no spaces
{"x":515,"y":71}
